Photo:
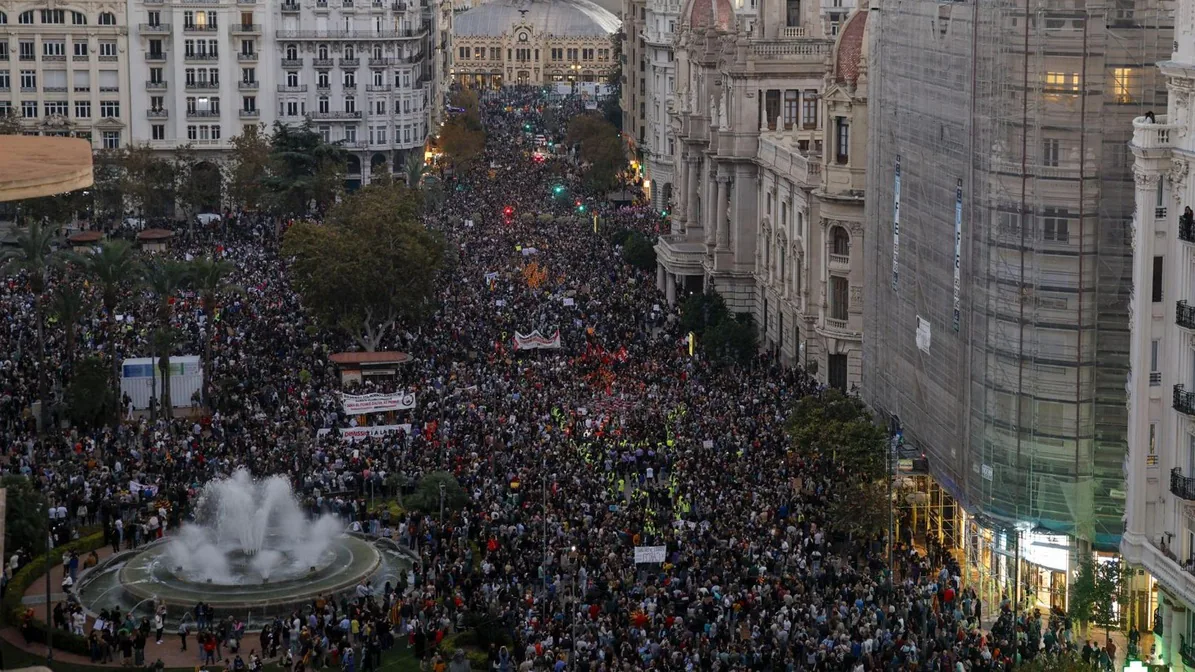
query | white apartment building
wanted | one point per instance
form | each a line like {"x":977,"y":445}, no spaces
{"x":357,"y":68}
{"x":1160,"y":468}
{"x":659,"y":143}
{"x":64,"y":71}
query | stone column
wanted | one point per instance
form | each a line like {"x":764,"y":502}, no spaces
{"x":1168,"y":647}
{"x":670,"y":288}
{"x":709,"y":210}
{"x":660,"y":273}
{"x":692,"y":171}
{"x":722,"y":204}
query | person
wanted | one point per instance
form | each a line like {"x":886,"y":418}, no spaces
{"x":1149,"y":117}
{"x":182,"y":634}
{"x":159,"y":623}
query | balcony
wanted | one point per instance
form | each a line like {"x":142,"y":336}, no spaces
{"x":326,"y":116}
{"x":243,"y":57}
{"x":398,"y":7}
{"x":79,"y":89}
{"x":1182,"y":486}
{"x":840,"y":261}
{"x":102,"y":58}
{"x":322,"y":63}
{"x":1184,"y":315}
{"x":350,"y":34}
{"x":1153,"y":135}
{"x":206,"y":58}
{"x":155,"y":56}
{"x":203,"y":114}
{"x":290,"y":7}
{"x":53,"y":58}
{"x":350,"y":62}
{"x":793,"y":32}
{"x":1186,"y":230}
{"x":155,"y":28}
{"x":244,"y":28}
{"x":808,"y":51}
{"x":300,"y":88}
{"x":157,"y":114}
{"x":321,"y":4}
{"x":246,"y":86}
{"x":249,"y":114}
{"x":155,"y":86}
{"x":205,"y":28}
{"x":1184,"y":401}
{"x":203,"y":86}
{"x":77,"y":58}
{"x":292,"y":62}
{"x":378,"y":88}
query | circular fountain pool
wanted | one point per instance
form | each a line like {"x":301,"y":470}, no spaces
{"x":252,"y":553}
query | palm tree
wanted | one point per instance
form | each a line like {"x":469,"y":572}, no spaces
{"x":415,"y":169}
{"x":115,"y":267}
{"x":209,"y":278}
{"x":34,"y":255}
{"x":68,"y":305}
{"x":164,"y":279}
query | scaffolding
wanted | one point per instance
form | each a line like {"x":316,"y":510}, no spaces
{"x":1026,"y":105}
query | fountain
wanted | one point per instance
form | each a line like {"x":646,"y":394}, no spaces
{"x":251,"y":547}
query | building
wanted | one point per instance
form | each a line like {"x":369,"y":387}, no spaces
{"x":998,"y":261}
{"x":359,"y":70}
{"x":1160,"y":469}
{"x":64,"y":70}
{"x":516,"y":42}
{"x":657,"y":146}
{"x":761,"y":213}
{"x":633,"y":78}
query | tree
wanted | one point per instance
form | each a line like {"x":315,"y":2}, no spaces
{"x":25,"y":515}
{"x":414,"y":170}
{"x":106,"y":190}
{"x":90,"y":398}
{"x":1099,"y":588}
{"x":700,"y":311}
{"x":731,"y":341}
{"x":831,"y":425}
{"x":197,"y":183}
{"x":68,"y":304}
{"x":250,"y":165}
{"x":426,"y":497}
{"x":34,"y":256}
{"x":864,"y":514}
{"x":115,"y":268}
{"x":371,"y":266}
{"x":146,"y":181}
{"x":209,"y":278}
{"x":10,"y":124}
{"x":638,"y":251}
{"x":600,"y":146}
{"x":165,"y":279}
{"x":304,"y":171}
{"x":462,"y":144}
{"x":612,"y":106}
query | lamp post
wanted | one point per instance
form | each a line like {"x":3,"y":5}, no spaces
{"x":572,"y":656}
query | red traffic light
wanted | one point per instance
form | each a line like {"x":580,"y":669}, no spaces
{"x":508,"y":211}
{"x":578,"y":203}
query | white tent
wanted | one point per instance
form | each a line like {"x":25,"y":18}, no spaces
{"x":141,"y":380}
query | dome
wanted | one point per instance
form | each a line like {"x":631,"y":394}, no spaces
{"x":849,"y":50}
{"x":702,"y":14}
{"x":571,"y":18}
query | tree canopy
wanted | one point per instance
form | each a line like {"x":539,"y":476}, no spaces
{"x":25,"y":517}
{"x":251,"y":151}
{"x":371,"y":266}
{"x":426,"y":497}
{"x":462,"y":137}
{"x":1098,"y":588}
{"x":304,"y":171}
{"x":599,"y":145}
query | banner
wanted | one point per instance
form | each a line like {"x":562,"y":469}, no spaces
{"x":354,"y":434}
{"x":896,"y":227}
{"x":650,"y":554}
{"x":958,"y":253}
{"x":358,"y":404}
{"x":537,"y":341}
{"x":149,"y":490}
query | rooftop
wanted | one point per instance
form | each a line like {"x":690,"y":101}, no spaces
{"x":571,"y":18}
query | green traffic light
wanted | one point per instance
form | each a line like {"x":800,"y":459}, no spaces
{"x":558,"y":190}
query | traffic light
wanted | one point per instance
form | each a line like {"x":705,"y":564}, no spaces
{"x":580,"y":206}
{"x":558,"y":190}
{"x":508,"y":212}
{"x":526,"y":127}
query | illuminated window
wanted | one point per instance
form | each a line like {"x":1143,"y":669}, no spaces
{"x":1125,"y":83}
{"x":1062,"y":82}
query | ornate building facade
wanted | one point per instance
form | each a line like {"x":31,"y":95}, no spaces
{"x":64,"y":69}
{"x":763,"y":214}
{"x":511,"y":42}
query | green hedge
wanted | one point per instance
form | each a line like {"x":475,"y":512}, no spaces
{"x":26,"y":576}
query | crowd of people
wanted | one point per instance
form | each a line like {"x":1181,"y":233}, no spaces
{"x":571,"y":458}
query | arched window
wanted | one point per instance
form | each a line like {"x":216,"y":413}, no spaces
{"x":3,"y":19}
{"x":26,"y":18}
{"x":323,"y":51}
{"x":292,"y":52}
{"x":377,"y":52}
{"x":349,"y":51}
{"x":840,"y":241}
{"x":107,"y":19}
{"x":78,"y":18}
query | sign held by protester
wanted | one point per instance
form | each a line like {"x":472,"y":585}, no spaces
{"x":650,"y":554}
{"x":537,"y":341}
{"x":354,"y":434}
{"x":358,"y":404}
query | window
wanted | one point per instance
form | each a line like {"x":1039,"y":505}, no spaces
{"x":840,"y":241}
{"x":248,"y":75}
{"x":249,"y":103}
{"x":587,"y":54}
{"x":495,"y":53}
{"x":839,"y":298}
{"x":26,"y":18}
{"x":1050,"y":152}
{"x":292,"y":52}
{"x":155,"y":48}
{"x":321,"y":79}
{"x":323,"y":51}
{"x":323,"y":105}
{"x":791,"y":109}
{"x":58,"y":107}
{"x":809,"y":109}
{"x":325,"y":132}
{"x":83,"y":109}
{"x":1056,"y":225}
{"x":29,"y":109}
{"x":1125,"y":83}
{"x":350,"y":104}
{"x":53,"y":49}
{"x":792,"y":14}
{"x":1062,"y":82}
{"x":109,"y":19}
{"x":349,"y":51}
{"x":842,"y":141}
{"x":1154,"y":346}
{"x":1157,"y":280}
{"x":378,"y":78}
{"x":110,"y":108}
{"x":350,"y":134}
{"x":380,"y":107}
{"x":53,"y":16}
{"x":557,"y":54}
{"x":377,"y":51}
{"x":155,"y":75}
{"x":26,"y":50}
{"x":292,"y":78}
{"x":292,"y":108}
{"x":5,"y":108}
{"x":5,"y":80}
{"x":28,"y":79}
{"x":350,"y":80}
{"x":157,"y":132}
{"x":215,"y":132}
{"x":153,"y":18}
{"x":80,"y":49}
{"x":107,"y":50}
{"x":111,"y":139}
{"x":192,"y":132}
{"x":189,"y":48}
{"x":189,"y":76}
{"x":157,"y":102}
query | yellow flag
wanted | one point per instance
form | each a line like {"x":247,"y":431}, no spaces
{"x":692,"y":343}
